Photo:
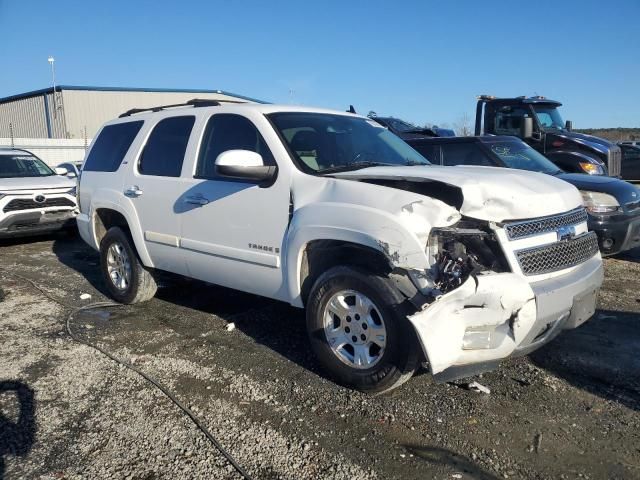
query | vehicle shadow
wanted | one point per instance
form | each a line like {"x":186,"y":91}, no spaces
{"x":16,"y":436}
{"x":77,"y":255}
{"x":29,"y":239}
{"x":275,"y":325}
{"x":448,"y":458}
{"x":600,"y":357}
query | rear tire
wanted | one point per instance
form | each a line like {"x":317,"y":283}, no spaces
{"x":358,"y":329}
{"x":127,"y":280}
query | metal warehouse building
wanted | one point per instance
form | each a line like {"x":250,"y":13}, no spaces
{"x":78,"y":112}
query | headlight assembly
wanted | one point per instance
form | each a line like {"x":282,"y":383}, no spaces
{"x":592,"y":168}
{"x":72,"y":191}
{"x":598,"y":202}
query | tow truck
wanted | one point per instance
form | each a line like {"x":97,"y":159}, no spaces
{"x":538,"y":122}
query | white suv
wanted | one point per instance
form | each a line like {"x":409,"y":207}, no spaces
{"x":34,"y":199}
{"x":396,"y":261}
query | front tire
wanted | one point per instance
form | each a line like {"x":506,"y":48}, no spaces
{"x":358,"y":329}
{"x":127,"y":280}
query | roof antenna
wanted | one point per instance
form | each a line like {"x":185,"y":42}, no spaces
{"x":351,"y":109}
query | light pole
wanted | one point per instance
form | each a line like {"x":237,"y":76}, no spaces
{"x":51,"y":61}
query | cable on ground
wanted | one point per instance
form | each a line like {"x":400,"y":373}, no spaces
{"x":146,"y":376}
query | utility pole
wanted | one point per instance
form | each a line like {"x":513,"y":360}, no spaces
{"x":51,"y":61}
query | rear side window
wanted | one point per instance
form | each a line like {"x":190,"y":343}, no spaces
{"x":229,"y":132}
{"x":111,"y":146}
{"x":164,"y":152}
{"x":429,"y":151}
{"x":464,"y":154}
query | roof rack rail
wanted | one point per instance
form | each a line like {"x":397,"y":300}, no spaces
{"x":194,"y":102}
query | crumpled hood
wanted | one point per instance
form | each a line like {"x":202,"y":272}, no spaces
{"x":489,"y":193}
{"x":36,"y":183}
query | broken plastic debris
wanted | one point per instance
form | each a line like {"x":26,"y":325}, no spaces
{"x":85,"y":296}
{"x":456,"y":475}
{"x":477,"y":387}
{"x":230,"y":327}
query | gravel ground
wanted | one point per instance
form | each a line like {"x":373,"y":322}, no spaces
{"x":570,"y":410}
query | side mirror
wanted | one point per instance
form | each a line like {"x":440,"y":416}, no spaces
{"x":71,"y":175}
{"x":243,"y":165}
{"x":61,"y":171}
{"x":526,"y":128}
{"x":568,"y":125}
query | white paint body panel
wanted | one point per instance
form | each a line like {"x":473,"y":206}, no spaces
{"x":252,"y":237}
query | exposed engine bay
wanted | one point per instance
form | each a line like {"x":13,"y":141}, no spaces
{"x":460,"y":251}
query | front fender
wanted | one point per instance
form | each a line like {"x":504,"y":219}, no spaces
{"x":401,"y":237}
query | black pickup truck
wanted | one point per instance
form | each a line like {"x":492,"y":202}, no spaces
{"x":613,"y":205}
{"x":537,"y":121}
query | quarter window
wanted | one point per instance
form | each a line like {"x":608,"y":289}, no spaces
{"x":164,"y":153}
{"x":429,"y":151}
{"x":229,"y":132}
{"x":111,"y":146}
{"x":464,"y":154}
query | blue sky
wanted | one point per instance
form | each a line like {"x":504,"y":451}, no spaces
{"x":423,"y":61}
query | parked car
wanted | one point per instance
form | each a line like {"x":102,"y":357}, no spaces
{"x":33,"y":198}
{"x":630,"y":142}
{"x":613,"y":205}
{"x":538,"y":122}
{"x":395,"y":261}
{"x":631,"y":162}
{"x":72,"y":168}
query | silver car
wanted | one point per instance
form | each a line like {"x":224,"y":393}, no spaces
{"x":33,"y":198}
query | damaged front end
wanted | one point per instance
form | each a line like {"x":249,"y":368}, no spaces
{"x":476,"y":311}
{"x":457,"y":252}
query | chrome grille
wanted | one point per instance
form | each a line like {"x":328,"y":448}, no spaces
{"x":614,"y":163}
{"x":536,"y":226}
{"x":558,"y":256}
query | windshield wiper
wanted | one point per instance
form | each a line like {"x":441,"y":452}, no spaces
{"x":354,"y":166}
{"x":413,"y":163}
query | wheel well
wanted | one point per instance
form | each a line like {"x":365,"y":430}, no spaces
{"x":106,"y":218}
{"x":321,"y":255}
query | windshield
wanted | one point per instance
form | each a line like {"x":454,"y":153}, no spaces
{"x":325,"y":143}
{"x":548,"y":116}
{"x":14,"y":166}
{"x":521,"y":156}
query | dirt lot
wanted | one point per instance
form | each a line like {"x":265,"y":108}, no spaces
{"x":571,"y":410}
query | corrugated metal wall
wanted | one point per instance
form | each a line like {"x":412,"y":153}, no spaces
{"x":91,"y":108}
{"x":57,"y":116}
{"x":26,"y":116}
{"x":76,"y":110}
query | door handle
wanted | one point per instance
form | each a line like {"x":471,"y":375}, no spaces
{"x":133,"y":191}
{"x":196,"y":200}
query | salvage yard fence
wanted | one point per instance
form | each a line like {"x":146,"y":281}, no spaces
{"x":53,"y":151}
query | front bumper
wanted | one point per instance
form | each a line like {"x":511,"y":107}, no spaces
{"x":498,"y":315}
{"x":32,"y":222}
{"x":616,"y":233}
